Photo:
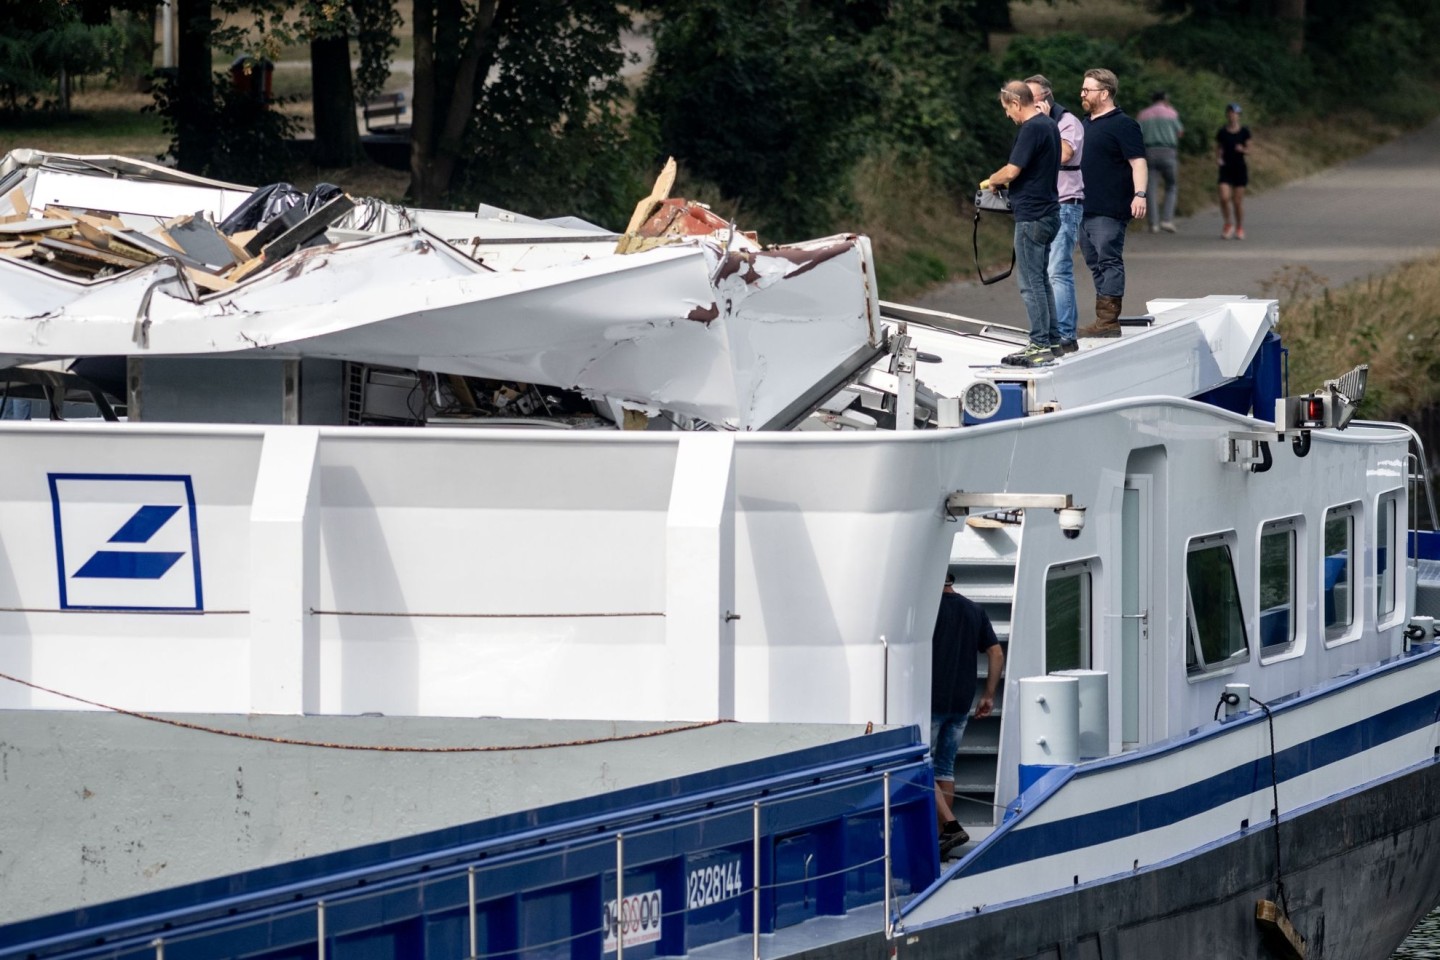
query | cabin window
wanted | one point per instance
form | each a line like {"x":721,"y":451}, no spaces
{"x":1215,"y":621}
{"x":1385,"y":552}
{"x":1279,"y":548}
{"x":1339,"y":571}
{"x":1067,"y":617}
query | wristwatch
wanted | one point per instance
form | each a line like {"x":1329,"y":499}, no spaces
{"x":1140,"y":194}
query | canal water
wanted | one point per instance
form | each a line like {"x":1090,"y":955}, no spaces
{"x":1423,"y":942}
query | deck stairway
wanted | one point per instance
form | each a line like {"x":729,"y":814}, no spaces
{"x":983,"y":562}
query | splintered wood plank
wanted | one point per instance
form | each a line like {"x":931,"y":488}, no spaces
{"x":85,"y":252}
{"x":661,"y":190}
{"x":209,"y":281}
{"x":245,"y":269}
{"x":16,"y":249}
{"x":34,"y":225}
{"x":20,"y":202}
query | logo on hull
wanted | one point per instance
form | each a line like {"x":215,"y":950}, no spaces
{"x":121,"y":542}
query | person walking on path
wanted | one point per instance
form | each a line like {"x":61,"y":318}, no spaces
{"x":1232,"y":142}
{"x":1031,"y":174}
{"x":1161,"y":129}
{"x":962,"y":632}
{"x":1115,"y":174}
{"x":1071,"y":189}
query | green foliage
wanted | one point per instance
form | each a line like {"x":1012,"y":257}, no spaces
{"x":1064,"y":57}
{"x":1254,"y":58}
{"x":768,"y":100}
{"x":248,"y":141}
{"x":549,"y":136}
{"x":935,"y":105}
{"x":42,"y":39}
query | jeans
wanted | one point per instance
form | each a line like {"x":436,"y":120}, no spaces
{"x":946,"y":731}
{"x":1162,"y":160}
{"x":1062,"y":269}
{"x":1102,"y":241}
{"x":1032,"y":264}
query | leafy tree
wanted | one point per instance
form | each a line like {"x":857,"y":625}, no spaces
{"x":45,"y":43}
{"x":525,"y":97}
{"x":776,"y":101}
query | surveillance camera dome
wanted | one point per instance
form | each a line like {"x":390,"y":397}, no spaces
{"x":1072,"y":521}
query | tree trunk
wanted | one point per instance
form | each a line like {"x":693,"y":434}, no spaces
{"x":195,"y":94}
{"x":337,"y":135}
{"x":1291,"y":14}
{"x":439,"y":119}
{"x":422,"y":102}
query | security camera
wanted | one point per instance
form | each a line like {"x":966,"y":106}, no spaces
{"x":1072,"y":521}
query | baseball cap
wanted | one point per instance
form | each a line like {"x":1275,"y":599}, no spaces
{"x":1233,"y":106}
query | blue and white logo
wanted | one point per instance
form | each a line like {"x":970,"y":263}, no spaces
{"x":126,"y":542}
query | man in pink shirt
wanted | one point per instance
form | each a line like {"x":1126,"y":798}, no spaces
{"x":1160,"y":126}
{"x":1072,"y":193}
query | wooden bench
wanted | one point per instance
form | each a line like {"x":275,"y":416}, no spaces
{"x":390,"y":105}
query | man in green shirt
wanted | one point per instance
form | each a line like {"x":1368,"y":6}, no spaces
{"x":1161,"y":127}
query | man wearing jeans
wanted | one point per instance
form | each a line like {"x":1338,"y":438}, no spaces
{"x":1115,"y":175}
{"x":1031,"y":175}
{"x":1161,"y":127}
{"x":1072,"y":194}
{"x":962,"y":632}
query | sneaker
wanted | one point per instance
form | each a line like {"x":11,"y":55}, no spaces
{"x":1227,"y":233}
{"x":1068,"y":346}
{"x":1035,"y":353}
{"x":1239,"y":233}
{"x":950,"y":841}
{"x":1168,"y":227}
{"x":1154,"y":229}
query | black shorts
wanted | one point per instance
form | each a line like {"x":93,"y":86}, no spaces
{"x":1236,"y":176}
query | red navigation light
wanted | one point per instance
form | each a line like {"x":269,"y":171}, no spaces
{"x":1315,"y":409}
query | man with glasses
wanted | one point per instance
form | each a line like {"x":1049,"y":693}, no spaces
{"x":1031,"y":176}
{"x":1115,"y":175}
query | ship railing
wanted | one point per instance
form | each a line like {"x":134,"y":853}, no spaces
{"x":310,"y":924}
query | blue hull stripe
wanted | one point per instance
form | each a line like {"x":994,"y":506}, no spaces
{"x":1167,"y":809}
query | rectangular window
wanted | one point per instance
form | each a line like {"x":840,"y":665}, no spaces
{"x":1215,"y":624}
{"x":1067,"y":618}
{"x":1278,"y":583}
{"x":1385,"y":552}
{"x":1339,"y":571}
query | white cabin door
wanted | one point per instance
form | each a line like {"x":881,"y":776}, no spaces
{"x":1135,"y":567}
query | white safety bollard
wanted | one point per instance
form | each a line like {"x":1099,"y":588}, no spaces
{"x":1049,"y":726}
{"x":1094,"y":711}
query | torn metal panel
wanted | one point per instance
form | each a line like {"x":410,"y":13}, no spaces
{"x":706,"y":328}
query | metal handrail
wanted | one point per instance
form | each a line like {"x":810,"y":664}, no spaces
{"x":1420,"y":456}
{"x":472,"y":872}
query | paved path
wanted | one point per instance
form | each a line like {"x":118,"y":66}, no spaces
{"x":1361,"y":218}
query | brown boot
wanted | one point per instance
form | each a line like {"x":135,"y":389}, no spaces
{"x":1107,"y":319}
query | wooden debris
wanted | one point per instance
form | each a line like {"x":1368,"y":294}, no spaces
{"x":35,"y":226}
{"x":85,"y":254}
{"x":16,"y":249}
{"x":1278,"y":931}
{"x":20,"y":202}
{"x":245,"y":269}
{"x":200,"y":240}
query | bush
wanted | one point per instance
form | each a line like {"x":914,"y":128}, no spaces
{"x":1253,"y":58}
{"x":249,"y":139}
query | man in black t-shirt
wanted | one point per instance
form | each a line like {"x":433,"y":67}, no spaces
{"x":1115,"y":174}
{"x":962,"y":630}
{"x":1031,"y":175}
